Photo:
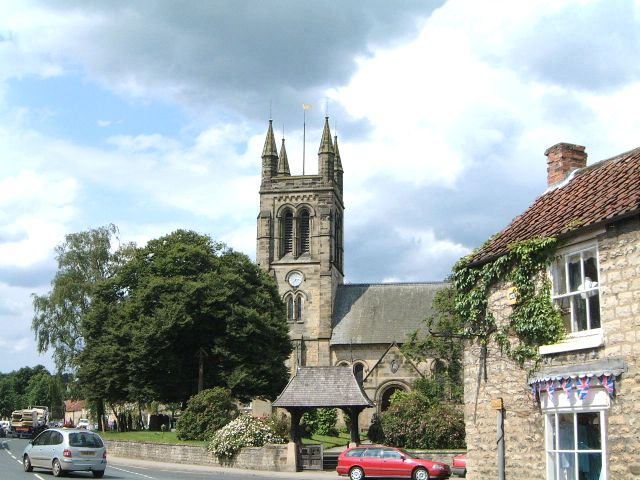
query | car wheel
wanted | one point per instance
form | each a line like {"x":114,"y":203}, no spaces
{"x":26,"y":463}
{"x":98,"y":473}
{"x":356,"y":473}
{"x":57,"y":468}
{"x":420,"y":474}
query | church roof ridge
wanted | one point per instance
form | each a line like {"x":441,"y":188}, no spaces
{"x":372,"y":284}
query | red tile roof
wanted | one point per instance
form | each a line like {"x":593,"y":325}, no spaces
{"x":74,"y":405}
{"x":604,"y":191}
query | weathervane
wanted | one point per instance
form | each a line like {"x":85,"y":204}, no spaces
{"x":305,"y":107}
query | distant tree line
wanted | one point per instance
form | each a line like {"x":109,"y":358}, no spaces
{"x":28,"y":387}
{"x":156,"y":323}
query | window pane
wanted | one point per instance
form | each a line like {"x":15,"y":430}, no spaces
{"x":575,"y":272}
{"x":590,"y":265}
{"x":594,"y":311}
{"x":290,"y":308}
{"x":559,"y":277}
{"x":567,"y":466}
{"x":589,"y":466}
{"x":551,"y":433}
{"x":565,"y":431}
{"x":564,"y":304}
{"x":552,"y":466}
{"x":579,"y":312}
{"x":299,"y":309}
{"x":589,"y":431}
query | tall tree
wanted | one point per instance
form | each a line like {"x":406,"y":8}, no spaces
{"x":84,"y":260}
{"x":443,"y":346}
{"x":181,"y":298}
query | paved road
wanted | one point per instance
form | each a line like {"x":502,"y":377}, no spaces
{"x":129,"y":469}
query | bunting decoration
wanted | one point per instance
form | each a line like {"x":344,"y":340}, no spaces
{"x":607,"y":382}
{"x":583,"y":387}
{"x":567,"y":385}
{"x":551,"y":388}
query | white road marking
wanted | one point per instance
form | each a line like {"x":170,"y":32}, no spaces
{"x":129,"y":471}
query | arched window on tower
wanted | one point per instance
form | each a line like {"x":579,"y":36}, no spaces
{"x":295,"y":304}
{"x":290,"y":310}
{"x":298,"y":303}
{"x":303,"y":232}
{"x":287,"y":233}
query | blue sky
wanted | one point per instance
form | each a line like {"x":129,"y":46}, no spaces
{"x":152,"y":114}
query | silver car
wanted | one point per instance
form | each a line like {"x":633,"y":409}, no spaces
{"x":65,"y":450}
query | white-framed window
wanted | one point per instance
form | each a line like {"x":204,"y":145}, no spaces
{"x":575,"y":445}
{"x":576,"y":287}
{"x":576,"y":434}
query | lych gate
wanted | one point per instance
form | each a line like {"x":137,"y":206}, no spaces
{"x":321,"y":387}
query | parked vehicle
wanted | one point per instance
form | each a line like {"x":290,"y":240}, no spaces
{"x":459,"y":465}
{"x":379,"y":461}
{"x":83,"y":423}
{"x":29,"y":422}
{"x":64,"y":450}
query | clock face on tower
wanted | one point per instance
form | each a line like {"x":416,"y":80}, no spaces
{"x":295,"y":279}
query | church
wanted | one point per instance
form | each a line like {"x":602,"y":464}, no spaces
{"x":300,"y":243}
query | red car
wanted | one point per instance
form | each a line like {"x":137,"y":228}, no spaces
{"x":459,"y":465}
{"x":378,"y":461}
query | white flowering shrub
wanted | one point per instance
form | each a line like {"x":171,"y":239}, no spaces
{"x":244,"y":431}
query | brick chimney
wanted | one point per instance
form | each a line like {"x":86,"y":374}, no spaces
{"x":562,"y":159}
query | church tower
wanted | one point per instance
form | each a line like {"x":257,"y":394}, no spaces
{"x":300,"y":242}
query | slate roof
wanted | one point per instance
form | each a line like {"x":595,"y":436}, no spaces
{"x":314,"y":387}
{"x":599,"y":193}
{"x":381,"y":313}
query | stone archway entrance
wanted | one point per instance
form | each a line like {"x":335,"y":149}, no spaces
{"x":385,"y":397}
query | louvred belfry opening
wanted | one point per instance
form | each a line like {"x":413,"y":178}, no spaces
{"x":287,"y":241}
{"x":304,"y":232}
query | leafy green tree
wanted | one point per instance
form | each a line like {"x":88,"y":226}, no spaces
{"x":84,"y":259}
{"x":414,"y":420}
{"x":180,"y":299}
{"x":443,"y":347}
{"x":206,"y":412}
{"x":28,"y":387}
{"x":321,"y":421}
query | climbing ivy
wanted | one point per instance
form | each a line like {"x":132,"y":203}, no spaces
{"x":534,"y":320}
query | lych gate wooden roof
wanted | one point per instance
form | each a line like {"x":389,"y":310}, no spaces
{"x":323,"y":387}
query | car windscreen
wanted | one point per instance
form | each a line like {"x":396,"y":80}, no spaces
{"x":87,"y":440}
{"x":409,"y":455}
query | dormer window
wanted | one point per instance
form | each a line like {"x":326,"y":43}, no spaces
{"x":576,"y":288}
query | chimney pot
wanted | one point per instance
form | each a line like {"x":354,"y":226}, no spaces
{"x":562,"y":159}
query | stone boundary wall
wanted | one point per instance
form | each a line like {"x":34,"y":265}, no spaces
{"x":269,"y":457}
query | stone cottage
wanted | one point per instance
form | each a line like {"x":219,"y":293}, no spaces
{"x":575,"y":415}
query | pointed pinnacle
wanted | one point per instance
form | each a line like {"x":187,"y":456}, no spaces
{"x":270,"y":149}
{"x":283,"y":163}
{"x":336,"y":152}
{"x":326,"y":146}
